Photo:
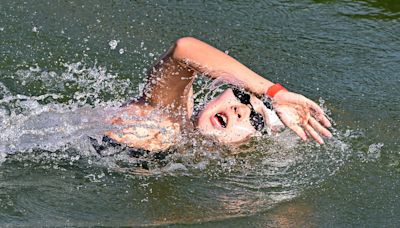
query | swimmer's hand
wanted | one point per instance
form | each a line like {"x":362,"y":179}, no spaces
{"x":148,"y":135}
{"x":140,"y":139}
{"x":302,"y":115}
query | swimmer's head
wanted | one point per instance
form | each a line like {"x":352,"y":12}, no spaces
{"x":233,"y":117}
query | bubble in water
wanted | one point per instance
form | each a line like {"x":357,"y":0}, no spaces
{"x":113,"y":44}
{"x":36,"y":68}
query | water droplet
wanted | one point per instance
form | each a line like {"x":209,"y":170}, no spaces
{"x":113,"y":44}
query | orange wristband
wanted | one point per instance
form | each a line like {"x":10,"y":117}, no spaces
{"x":273,"y":90}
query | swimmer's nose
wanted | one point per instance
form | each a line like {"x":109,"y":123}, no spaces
{"x":240,"y":112}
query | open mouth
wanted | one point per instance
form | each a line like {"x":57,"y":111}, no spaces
{"x":221,"y":119}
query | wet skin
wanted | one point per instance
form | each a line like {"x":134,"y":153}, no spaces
{"x":227,"y":119}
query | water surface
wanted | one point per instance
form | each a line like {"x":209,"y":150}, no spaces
{"x":63,"y":64}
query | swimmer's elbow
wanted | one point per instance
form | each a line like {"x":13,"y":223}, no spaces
{"x":183,"y":46}
{"x":185,"y":41}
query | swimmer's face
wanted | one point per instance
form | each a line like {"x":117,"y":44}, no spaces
{"x":227,"y":119}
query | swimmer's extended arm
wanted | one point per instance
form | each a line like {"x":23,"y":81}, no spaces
{"x":170,"y":82}
{"x":173,"y":73}
{"x":297,"y":112}
{"x":217,"y":64}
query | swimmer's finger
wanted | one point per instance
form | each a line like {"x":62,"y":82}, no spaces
{"x":129,"y":139}
{"x":295,"y":127}
{"x":314,"y":134}
{"x":299,"y":131}
{"x":322,"y":119}
{"x":319,"y":128}
{"x":319,"y":114}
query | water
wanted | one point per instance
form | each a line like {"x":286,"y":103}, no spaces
{"x":73,"y":62}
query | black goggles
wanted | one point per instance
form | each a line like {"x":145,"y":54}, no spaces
{"x":256,"y":119}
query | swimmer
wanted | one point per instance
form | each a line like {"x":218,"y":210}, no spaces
{"x":231,"y":118}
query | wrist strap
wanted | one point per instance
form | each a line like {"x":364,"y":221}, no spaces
{"x":273,"y":90}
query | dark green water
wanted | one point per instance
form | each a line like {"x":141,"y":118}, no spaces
{"x":56,"y":60}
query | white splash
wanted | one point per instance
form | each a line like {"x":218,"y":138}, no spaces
{"x":374,"y":150}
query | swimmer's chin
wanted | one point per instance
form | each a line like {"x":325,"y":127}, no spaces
{"x":222,"y":138}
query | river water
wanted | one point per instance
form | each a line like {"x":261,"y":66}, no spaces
{"x":67,"y":65}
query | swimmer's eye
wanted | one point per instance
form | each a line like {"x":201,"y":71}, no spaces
{"x":256,"y":120}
